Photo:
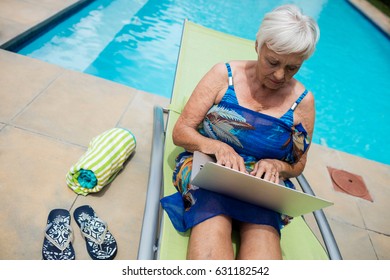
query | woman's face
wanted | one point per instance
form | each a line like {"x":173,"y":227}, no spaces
{"x":276,"y":70}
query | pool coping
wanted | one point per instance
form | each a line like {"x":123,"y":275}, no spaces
{"x":373,"y":14}
{"x":23,"y":38}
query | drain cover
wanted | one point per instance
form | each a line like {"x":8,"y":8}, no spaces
{"x":348,"y":182}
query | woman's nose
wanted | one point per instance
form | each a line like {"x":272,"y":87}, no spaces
{"x":279,"y":74}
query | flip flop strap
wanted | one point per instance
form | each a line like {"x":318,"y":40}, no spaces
{"x":55,"y":242}
{"x":99,"y":239}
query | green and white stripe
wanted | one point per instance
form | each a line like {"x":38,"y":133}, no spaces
{"x":105,"y":157}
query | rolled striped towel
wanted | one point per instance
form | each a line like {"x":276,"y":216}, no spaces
{"x":102,"y":162}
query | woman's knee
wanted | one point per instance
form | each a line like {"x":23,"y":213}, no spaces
{"x":259,"y":242}
{"x":211,"y":239}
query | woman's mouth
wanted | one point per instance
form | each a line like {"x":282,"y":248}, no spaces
{"x":276,"y":82}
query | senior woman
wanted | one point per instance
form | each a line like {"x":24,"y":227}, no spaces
{"x":255,"y":117}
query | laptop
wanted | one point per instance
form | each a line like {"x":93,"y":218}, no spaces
{"x":209,"y":175}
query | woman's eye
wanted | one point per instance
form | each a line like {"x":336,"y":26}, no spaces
{"x":292,"y":68}
{"x":273,"y":63}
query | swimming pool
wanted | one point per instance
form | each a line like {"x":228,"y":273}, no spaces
{"x":136,"y":42}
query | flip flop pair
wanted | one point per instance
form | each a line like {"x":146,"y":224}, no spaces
{"x":57,"y":245}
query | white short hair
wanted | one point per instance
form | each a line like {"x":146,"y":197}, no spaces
{"x":287,"y":30}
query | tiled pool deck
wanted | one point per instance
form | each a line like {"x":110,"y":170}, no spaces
{"x":49,"y":114}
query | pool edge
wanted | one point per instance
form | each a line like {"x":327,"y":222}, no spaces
{"x":373,"y":14}
{"x":23,"y":38}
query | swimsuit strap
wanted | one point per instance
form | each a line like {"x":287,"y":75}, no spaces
{"x":299,"y":100}
{"x":230,"y":94}
{"x":288,"y":117}
{"x":230,"y":75}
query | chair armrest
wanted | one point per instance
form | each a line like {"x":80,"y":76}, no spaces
{"x":148,"y":239}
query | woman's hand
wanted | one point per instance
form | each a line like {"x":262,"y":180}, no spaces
{"x":268,"y":169}
{"x":228,"y":157}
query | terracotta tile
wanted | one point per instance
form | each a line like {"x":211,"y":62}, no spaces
{"x":76,"y":107}
{"x":32,"y":182}
{"x":349,"y":183}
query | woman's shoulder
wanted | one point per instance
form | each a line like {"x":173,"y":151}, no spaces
{"x":218,"y":71}
{"x":236,"y":67}
{"x":300,"y":90}
{"x":305,"y":111}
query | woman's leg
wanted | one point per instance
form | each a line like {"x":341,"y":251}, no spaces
{"x":211,"y":240}
{"x":259,"y":242}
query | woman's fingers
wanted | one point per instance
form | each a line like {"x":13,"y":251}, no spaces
{"x":267,"y":170}
{"x":274,"y":177}
{"x":230,"y":159}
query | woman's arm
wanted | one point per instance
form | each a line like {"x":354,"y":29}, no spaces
{"x":208,"y":92}
{"x":204,"y":96}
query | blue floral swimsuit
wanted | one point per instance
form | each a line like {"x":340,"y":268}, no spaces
{"x":254,"y":136}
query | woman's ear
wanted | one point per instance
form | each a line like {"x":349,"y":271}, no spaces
{"x":256,"y":46}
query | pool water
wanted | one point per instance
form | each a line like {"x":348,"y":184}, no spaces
{"x":136,"y":43}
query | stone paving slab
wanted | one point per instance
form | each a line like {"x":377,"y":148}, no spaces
{"x":22,"y":80}
{"x":76,"y":108}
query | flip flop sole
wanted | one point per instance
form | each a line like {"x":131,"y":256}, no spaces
{"x":58,"y":231}
{"x":93,"y":228}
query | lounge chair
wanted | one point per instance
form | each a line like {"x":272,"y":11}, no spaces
{"x":200,"y":49}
